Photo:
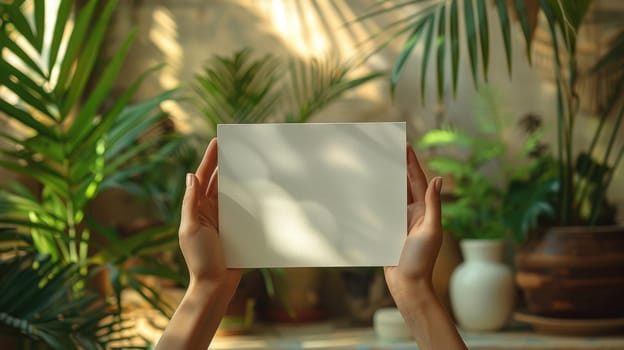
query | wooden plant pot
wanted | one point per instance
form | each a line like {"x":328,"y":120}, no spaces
{"x":573,"y":272}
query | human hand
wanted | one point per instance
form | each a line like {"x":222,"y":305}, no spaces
{"x":212,"y":284}
{"x":199,"y":227}
{"x":424,"y":236}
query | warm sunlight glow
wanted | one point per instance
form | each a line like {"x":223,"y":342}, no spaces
{"x":164,"y":35}
{"x":339,"y":158}
{"x":284,"y":215}
{"x":313,"y":28}
{"x":298,"y":24}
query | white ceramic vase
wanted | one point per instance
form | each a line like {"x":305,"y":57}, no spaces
{"x":482,"y":288}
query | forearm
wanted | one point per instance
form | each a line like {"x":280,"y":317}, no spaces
{"x":196,"y":319}
{"x":430,"y":324}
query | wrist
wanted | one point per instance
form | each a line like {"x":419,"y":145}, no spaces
{"x":202,"y":286}
{"x":212,"y":288}
{"x":201,"y":293}
{"x":414,"y":295}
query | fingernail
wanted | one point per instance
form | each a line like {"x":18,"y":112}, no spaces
{"x":189,"y":180}
{"x":438,"y":184}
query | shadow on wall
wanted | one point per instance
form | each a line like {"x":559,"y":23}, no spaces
{"x":183,"y":34}
{"x":339,"y":205}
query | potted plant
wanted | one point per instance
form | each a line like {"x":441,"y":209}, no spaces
{"x":571,"y":266}
{"x":482,"y":291}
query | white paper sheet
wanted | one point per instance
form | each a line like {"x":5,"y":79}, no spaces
{"x":294,"y":195}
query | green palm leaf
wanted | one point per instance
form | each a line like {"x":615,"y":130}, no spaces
{"x":38,"y":304}
{"x":237,"y":89}
{"x":471,"y":39}
{"x":454,"y":32}
{"x":318,"y":83}
{"x":426,"y":56}
{"x":484,"y":35}
{"x":503,"y":16}
{"x":524,"y":24}
{"x":440,"y":52}
{"x":71,"y":160}
{"x":477,"y":31}
{"x":412,"y":40}
{"x":243,"y":89}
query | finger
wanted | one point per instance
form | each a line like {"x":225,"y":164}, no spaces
{"x":433,"y":207}
{"x":189,"y":216}
{"x":207,"y":165}
{"x":213,"y":185}
{"x":416,"y":176}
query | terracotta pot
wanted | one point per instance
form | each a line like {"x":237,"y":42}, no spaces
{"x":573,"y":272}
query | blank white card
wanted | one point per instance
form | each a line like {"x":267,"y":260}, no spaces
{"x":294,"y":195}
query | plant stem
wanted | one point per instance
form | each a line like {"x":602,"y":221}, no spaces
{"x":563,"y":179}
{"x":71,"y":229}
{"x":71,"y":216}
{"x":572,"y":109}
{"x":62,"y":246}
{"x":601,"y":194}
{"x":589,"y":168}
{"x":563,"y":200}
{"x":83,"y":251}
{"x":613,"y":136}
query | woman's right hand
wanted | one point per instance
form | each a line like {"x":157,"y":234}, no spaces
{"x":410,"y":282}
{"x":424,"y":235}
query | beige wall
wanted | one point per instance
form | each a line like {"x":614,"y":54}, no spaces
{"x":185,"y":33}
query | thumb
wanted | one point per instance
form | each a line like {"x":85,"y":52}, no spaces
{"x":189,"y":215}
{"x":433,"y":211}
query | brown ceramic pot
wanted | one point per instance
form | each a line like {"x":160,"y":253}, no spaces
{"x":573,"y":272}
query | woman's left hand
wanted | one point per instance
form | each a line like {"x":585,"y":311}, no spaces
{"x":199,"y":228}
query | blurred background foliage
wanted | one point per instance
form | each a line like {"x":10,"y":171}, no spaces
{"x":78,"y":122}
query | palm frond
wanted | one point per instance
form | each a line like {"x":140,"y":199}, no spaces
{"x":311,"y":85}
{"x":564,"y":19}
{"x":414,"y":14}
{"x":238,"y":89}
{"x":38,"y":302}
{"x":85,"y":137}
{"x":69,"y":157}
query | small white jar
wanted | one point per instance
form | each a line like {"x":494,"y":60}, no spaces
{"x":390,"y":326}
